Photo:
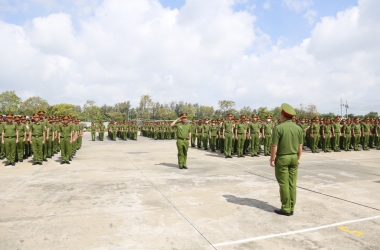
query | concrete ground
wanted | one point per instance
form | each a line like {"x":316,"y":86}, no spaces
{"x":131,"y":195}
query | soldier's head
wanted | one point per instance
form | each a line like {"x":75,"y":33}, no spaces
{"x":17,"y":120}
{"x":9,"y":118}
{"x":23,"y":119}
{"x":254,"y":118}
{"x":41,"y":114}
{"x":287,"y":112}
{"x":65,"y":120}
{"x":230,"y":116}
{"x":183,"y":117}
{"x":36,"y":118}
{"x":268,"y":118}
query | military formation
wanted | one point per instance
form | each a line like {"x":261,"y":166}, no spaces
{"x":39,"y":136}
{"x":242,"y":136}
{"x":123,"y":130}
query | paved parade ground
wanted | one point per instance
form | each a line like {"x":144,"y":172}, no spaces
{"x":131,"y":195}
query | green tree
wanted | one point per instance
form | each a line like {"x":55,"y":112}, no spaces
{"x":262,"y":112}
{"x":226,"y":106}
{"x":9,"y":102}
{"x":206,"y":111}
{"x":65,"y":109}
{"x":144,"y":110}
{"x":34,"y":104}
{"x":276,"y":113}
{"x":372,"y":114}
{"x":247,"y":111}
{"x":91,"y":112}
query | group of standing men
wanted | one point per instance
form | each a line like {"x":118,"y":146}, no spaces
{"x":123,"y":130}
{"x":41,"y":137}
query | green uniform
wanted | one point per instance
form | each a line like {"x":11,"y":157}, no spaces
{"x":199,"y":137}
{"x":314,"y":138}
{"x":227,"y":128}
{"x":267,"y":132}
{"x":241,"y":131}
{"x":49,"y":140}
{"x":206,"y":129}
{"x":10,"y":130}
{"x":287,"y":136}
{"x":22,"y":137}
{"x":326,"y":140}
{"x":38,"y":131}
{"x":65,"y":132}
{"x":193,"y":127}
{"x":93,"y":132}
{"x":366,"y":127}
{"x":102,"y":128}
{"x":356,"y":135}
{"x":336,"y":138}
{"x":213,"y":134}
{"x":254,"y":128}
{"x":347,"y":136}
{"x":183,"y":131}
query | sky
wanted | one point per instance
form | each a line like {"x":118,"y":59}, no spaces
{"x":258,"y":53}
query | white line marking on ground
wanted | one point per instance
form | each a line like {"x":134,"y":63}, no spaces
{"x":293,"y":232}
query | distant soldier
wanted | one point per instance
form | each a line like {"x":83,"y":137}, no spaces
{"x":228,"y":129}
{"x":37,"y":135}
{"x":267,"y":131}
{"x":183,"y":137}
{"x":213,"y":132}
{"x":240,"y":135}
{"x":65,"y":138}
{"x":314,"y":134}
{"x":10,"y":138}
{"x":254,"y":135}
{"x":205,"y":134}
{"x":193,"y":128}
{"x":22,"y":137}
{"x":366,"y":132}
{"x":356,"y":131}
{"x":101,"y":129}
{"x":2,"y":146}
{"x":93,"y":131}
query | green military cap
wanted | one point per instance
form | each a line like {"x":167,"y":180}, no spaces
{"x":288,"y":110}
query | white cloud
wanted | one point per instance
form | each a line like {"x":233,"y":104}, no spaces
{"x":298,"y":5}
{"x":266,"y":5}
{"x":311,"y":16}
{"x":202,"y":53}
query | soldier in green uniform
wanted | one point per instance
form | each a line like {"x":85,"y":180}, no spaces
{"x":205,"y":134}
{"x":377,"y":131}
{"x":27,"y":151}
{"x":240,"y":135}
{"x":93,"y":131}
{"x":199,"y":134}
{"x":336,"y":133}
{"x":65,"y":138}
{"x":314,"y":134}
{"x":254,"y":135}
{"x":10,"y":138}
{"x":213,"y":132}
{"x":303,"y":126}
{"x":228,"y":129}
{"x":267,"y":131}
{"x":37,"y":135}
{"x":49,"y":138}
{"x":193,"y":128}
{"x":286,"y":152}
{"x":366,"y":132}
{"x":2,"y":146}
{"x":326,"y":135}
{"x":183,"y":136}
{"x":101,"y":129}
{"x":21,"y":139}
{"x":46,"y":123}
{"x":220,"y":136}
{"x":356,"y":131}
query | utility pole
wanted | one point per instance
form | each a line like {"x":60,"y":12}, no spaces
{"x":346,"y":106}
{"x":341,"y":108}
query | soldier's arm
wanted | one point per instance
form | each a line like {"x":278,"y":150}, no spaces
{"x":47,"y":133}
{"x":174,"y":122}
{"x":43,"y":136}
{"x":2,"y":136}
{"x":16,"y":135}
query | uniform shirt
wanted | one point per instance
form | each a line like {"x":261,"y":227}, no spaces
{"x":214,"y":130}
{"x":206,"y":128}
{"x":227,"y":126}
{"x":326,"y":128}
{"x":241,"y":128}
{"x":9,"y":129}
{"x":336,"y":127}
{"x":366,"y":127}
{"x":287,"y":136}
{"x":183,"y":130}
{"x":93,"y":128}
{"x":192,"y":128}
{"x":21,"y":129}
{"x":356,"y":128}
{"x":315,"y":127}
{"x":199,"y":129}
{"x":267,"y":128}
{"x":102,"y":128}
{"x":254,"y":127}
{"x":65,"y":130}
{"x":37,"y":129}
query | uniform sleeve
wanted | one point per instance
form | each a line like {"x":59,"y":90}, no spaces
{"x":300,"y":136}
{"x":275,"y":136}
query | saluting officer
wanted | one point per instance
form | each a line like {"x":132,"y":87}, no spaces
{"x":183,"y":139}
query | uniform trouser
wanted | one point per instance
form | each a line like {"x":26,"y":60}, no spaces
{"x":37,"y":146}
{"x":326,"y":143}
{"x":227,"y":144}
{"x":347,"y":142}
{"x":93,"y":134}
{"x":101,"y":136}
{"x":44,"y":151}
{"x":199,"y":140}
{"x":2,"y":150}
{"x":113,"y":136}
{"x":314,"y":142}
{"x":10,"y":149}
{"x":193,"y":139}
{"x":124,"y":135}
{"x":65,"y":149}
{"x":286,"y":168}
{"x":246,"y":145}
{"x":162,"y":135}
{"x":213,"y":143}
{"x":49,"y":147}
{"x":371,"y":141}
{"x":377,"y":142}
{"x":240,"y":144}
{"x":335,"y":143}
{"x":365,"y":140}
{"x":20,"y":148}
{"x":205,"y":141}
{"x":356,"y":141}
{"x":27,"y":148}
{"x":182,"y":146}
{"x":169,"y":135}
{"x":267,"y":142}
{"x":135,"y":135}
{"x":255,"y":143}
{"x":221,"y":144}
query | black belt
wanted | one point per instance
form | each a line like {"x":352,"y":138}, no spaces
{"x":183,"y":139}
{"x":65,"y":137}
{"x":9,"y":137}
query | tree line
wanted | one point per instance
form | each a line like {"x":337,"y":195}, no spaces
{"x":146,"y":110}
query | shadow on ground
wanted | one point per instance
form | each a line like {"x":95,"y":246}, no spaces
{"x":171,"y":165}
{"x":250,"y":202}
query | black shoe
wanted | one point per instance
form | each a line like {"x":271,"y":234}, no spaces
{"x":7,"y":164}
{"x":70,"y":159}
{"x":34,"y":163}
{"x":184,"y":167}
{"x":67,"y":162}
{"x":280,"y":212}
{"x":317,"y":152}
{"x":242,"y":156}
{"x":45,"y":159}
{"x":13,"y":163}
{"x":40,"y":163}
{"x":252,"y":155}
{"x":62,"y":162}
{"x":257,"y":155}
{"x":21,"y":160}
{"x":238,"y":156}
{"x":226,"y":156}
{"x":180,"y":167}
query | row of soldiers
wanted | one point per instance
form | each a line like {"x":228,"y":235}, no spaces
{"x":123,"y":130}
{"x":41,"y":137}
{"x":246,"y":135}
